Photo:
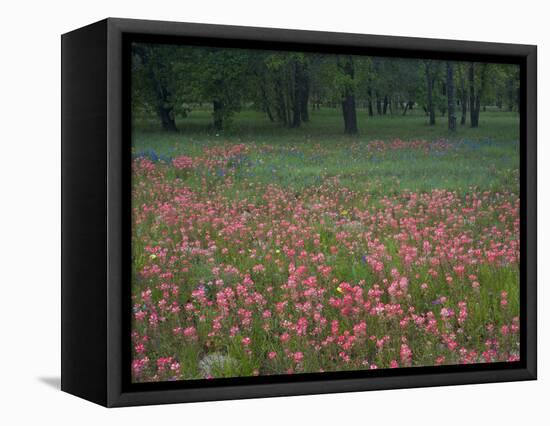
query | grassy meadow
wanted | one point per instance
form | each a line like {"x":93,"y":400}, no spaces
{"x":486,"y":157}
{"x":264,"y":250}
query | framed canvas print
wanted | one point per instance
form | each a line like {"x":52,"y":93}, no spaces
{"x":253,"y":212}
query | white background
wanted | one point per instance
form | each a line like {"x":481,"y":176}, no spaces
{"x":30,"y":211}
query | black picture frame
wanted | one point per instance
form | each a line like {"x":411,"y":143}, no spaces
{"x":96,"y":226}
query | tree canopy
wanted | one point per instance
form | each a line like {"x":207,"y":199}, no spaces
{"x":169,"y":81}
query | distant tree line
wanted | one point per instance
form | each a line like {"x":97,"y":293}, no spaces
{"x":169,"y":80}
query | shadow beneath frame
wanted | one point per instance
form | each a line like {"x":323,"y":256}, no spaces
{"x":53,"y":382}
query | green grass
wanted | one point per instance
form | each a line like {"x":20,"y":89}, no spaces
{"x":486,"y":157}
{"x":326,"y":126}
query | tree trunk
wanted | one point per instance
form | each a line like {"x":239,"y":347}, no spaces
{"x":218,"y":117}
{"x":385,"y":107}
{"x":304,"y":111}
{"x":280,"y":102}
{"x":269,"y":114}
{"x":350,"y":115}
{"x":288,"y":109}
{"x":265,"y":100}
{"x":296,"y":95}
{"x":304,"y":100}
{"x":369,"y":102}
{"x":348,"y":103}
{"x":430,"y":87}
{"x":166,"y":116}
{"x":378,"y":105}
{"x":300,"y":95}
{"x":451,"y":97}
{"x":164,"y":110}
{"x":477,"y":108}
{"x":296,"y":111}
{"x":464,"y":98}
{"x":476,"y":93}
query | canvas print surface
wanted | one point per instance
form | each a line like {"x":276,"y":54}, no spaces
{"x":308,"y":212}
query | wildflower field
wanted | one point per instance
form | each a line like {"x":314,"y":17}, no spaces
{"x":256,"y":256}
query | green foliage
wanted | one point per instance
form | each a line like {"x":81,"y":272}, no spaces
{"x":162,"y":68}
{"x":279,"y":80}
{"x":221,"y":76}
{"x":287,"y":86}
